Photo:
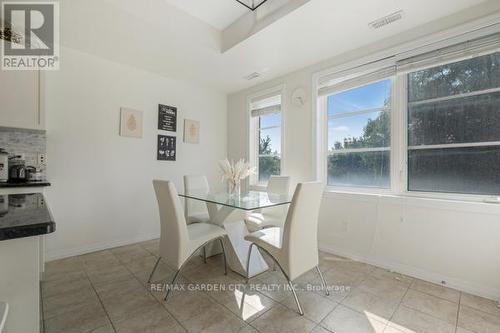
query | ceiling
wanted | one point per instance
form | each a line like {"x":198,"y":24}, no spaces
{"x":218,"y":13}
{"x":157,"y":36}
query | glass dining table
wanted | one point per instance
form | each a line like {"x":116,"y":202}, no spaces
{"x":229,"y":211}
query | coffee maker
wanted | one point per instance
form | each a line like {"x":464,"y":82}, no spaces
{"x":4,"y":166}
{"x":17,"y":169}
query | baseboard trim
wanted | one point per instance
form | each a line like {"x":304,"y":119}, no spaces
{"x":65,"y":253}
{"x":418,"y":273}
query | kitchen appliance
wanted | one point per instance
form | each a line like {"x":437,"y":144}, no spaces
{"x":4,"y":166}
{"x":33,"y":174}
{"x":17,"y":169}
{"x":17,"y":173}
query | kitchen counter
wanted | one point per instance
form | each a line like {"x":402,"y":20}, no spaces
{"x":24,"y":215}
{"x":25,"y":184}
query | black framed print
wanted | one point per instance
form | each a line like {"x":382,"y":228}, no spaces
{"x":167,"y":118}
{"x":167,"y":149}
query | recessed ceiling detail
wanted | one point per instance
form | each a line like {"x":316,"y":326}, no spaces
{"x":251,"y":4}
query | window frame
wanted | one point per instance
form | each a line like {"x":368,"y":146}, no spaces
{"x":399,"y":134}
{"x":254,"y":134}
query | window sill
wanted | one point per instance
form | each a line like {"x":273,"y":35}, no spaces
{"x":376,"y":193}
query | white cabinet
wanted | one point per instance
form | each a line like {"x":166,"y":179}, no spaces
{"x":20,"y":284}
{"x":20,"y":99}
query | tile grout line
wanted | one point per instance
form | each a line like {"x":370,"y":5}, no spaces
{"x":340,"y":303}
{"x":99,"y":298}
{"x":329,"y":313}
{"x":438,"y":285}
{"x":458,"y":311}
{"x":149,"y":290}
{"x":244,"y":321}
{"x":364,"y":278}
{"x":440,"y":319}
{"x":399,"y":304}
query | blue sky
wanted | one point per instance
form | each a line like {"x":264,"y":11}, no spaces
{"x":274,"y":133}
{"x":366,"y":97}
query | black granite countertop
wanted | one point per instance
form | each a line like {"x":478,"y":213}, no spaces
{"x":24,"y":215}
{"x":25,"y":184}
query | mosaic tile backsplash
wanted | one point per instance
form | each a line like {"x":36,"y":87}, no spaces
{"x":24,"y":141}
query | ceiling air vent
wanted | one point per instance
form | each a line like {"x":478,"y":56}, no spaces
{"x":252,"y":76}
{"x":383,"y":21}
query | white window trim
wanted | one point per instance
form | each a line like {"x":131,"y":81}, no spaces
{"x":253,"y":156}
{"x":399,"y":130}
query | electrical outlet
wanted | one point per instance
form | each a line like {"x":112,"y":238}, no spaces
{"x":42,"y":159}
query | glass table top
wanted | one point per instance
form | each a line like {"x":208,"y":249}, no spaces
{"x":251,"y":200}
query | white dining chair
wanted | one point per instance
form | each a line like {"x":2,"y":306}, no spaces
{"x":4,"y":310}
{"x":178,"y":240}
{"x":272,"y":216}
{"x":294,"y":247}
{"x":195,"y":184}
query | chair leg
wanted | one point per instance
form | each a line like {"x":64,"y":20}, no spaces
{"x":182,"y":266}
{"x":205,"y":254}
{"x":248,"y":261}
{"x":172,"y":284}
{"x":224,"y":254}
{"x":290,"y":284}
{"x":154,"y":269}
{"x":295,"y":297}
{"x":323,"y":282}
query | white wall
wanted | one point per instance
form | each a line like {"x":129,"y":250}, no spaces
{"x":436,"y":240}
{"x":101,"y":193}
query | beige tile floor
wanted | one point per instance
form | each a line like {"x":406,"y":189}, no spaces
{"x":106,"y":291}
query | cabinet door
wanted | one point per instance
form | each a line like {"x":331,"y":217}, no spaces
{"x":19,"y":99}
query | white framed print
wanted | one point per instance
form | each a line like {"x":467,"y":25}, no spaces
{"x":130,"y":123}
{"x":191,"y":131}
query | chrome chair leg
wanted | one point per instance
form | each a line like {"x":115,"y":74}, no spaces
{"x":290,"y":284}
{"x":172,"y":284}
{"x":248,"y":261}
{"x":323,"y":282}
{"x":224,"y":254}
{"x":154,"y":269}
{"x":295,"y":297}
{"x":182,"y":266}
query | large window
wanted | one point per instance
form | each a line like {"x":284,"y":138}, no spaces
{"x":430,"y":125}
{"x":454,"y":127}
{"x":359,"y":136}
{"x":266,"y":130}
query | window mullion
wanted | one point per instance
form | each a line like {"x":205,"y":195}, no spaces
{"x":400,"y":173}
{"x":359,"y":112}
{"x":456,"y":145}
{"x":358,"y":150}
{"x":457,"y":96}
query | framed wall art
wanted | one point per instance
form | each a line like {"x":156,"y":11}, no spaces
{"x":130,"y":123}
{"x":191,"y":131}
